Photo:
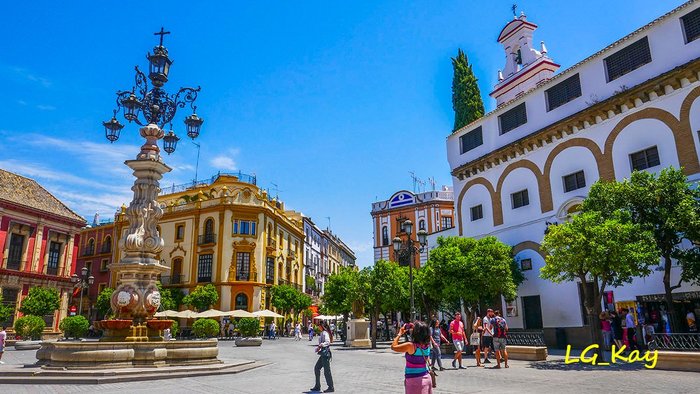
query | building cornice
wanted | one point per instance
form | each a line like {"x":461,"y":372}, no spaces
{"x":607,"y":109}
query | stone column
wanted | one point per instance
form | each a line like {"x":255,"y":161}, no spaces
{"x":37,"y":246}
{"x":137,"y":297}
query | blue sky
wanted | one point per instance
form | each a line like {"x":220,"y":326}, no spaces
{"x":333,"y":102}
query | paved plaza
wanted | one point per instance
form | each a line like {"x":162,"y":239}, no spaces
{"x":380,"y":371}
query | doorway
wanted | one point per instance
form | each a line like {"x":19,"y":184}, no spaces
{"x":532,"y":311}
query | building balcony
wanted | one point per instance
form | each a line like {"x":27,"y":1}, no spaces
{"x":106,"y":248}
{"x":174,"y":279}
{"x":206,"y":239}
{"x":52,"y":271}
{"x":270,"y":280}
{"x":13,"y":264}
{"x":243,"y":276}
{"x":204,"y":279}
{"x":89,"y":251}
{"x":287,"y":282}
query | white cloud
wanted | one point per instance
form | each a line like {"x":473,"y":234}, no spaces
{"x":45,"y":107}
{"x":223,"y":162}
{"x":21,"y":102}
{"x":26,"y":74}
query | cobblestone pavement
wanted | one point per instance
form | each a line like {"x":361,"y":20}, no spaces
{"x":380,"y":371}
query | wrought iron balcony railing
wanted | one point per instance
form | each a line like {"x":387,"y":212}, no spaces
{"x":677,"y":342}
{"x":205,"y":239}
{"x":174,"y":279}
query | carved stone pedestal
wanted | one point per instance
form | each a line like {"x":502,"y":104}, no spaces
{"x":358,"y":334}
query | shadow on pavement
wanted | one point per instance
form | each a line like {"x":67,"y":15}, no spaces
{"x":560,"y":365}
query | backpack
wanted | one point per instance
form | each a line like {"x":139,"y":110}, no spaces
{"x":499,"y":327}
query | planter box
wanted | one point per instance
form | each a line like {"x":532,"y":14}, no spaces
{"x":249,"y":341}
{"x":527,"y":353}
{"x":678,"y":361}
{"x":27,"y":345}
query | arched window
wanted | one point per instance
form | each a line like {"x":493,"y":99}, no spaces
{"x":421,"y":225}
{"x":209,"y":227}
{"x":176,"y":273}
{"x":90,"y":250}
{"x":241,"y":302}
{"x":385,"y":236}
{"x":107,"y":244}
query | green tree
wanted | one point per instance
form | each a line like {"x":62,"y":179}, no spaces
{"x":30,"y":327}
{"x":388,"y":290}
{"x":104,"y":302}
{"x":669,"y":207}
{"x":40,"y":301}
{"x":466,"y":96}
{"x":470,"y":270}
{"x":6,"y":312}
{"x":311,"y":283}
{"x":171,"y":299}
{"x":202,"y":297}
{"x":205,"y":328}
{"x":302,"y":302}
{"x":249,"y":327}
{"x":284,"y":298}
{"x":601,"y":251}
{"x":339,"y":293}
{"x":74,"y":326}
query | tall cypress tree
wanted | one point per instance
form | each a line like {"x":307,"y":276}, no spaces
{"x":466,"y":97}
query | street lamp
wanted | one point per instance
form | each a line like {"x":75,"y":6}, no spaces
{"x":409,"y":249}
{"x":155,"y":106}
{"x":83,"y":281}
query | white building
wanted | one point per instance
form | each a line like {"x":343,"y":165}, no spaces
{"x":632,"y":105}
{"x":314,"y":253}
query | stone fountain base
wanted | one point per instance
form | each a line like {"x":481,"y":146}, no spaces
{"x":109,"y":355}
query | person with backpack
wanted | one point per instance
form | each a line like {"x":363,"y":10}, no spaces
{"x":500,"y":333}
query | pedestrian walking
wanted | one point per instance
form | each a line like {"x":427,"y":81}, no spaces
{"x":417,"y":379}
{"x":477,"y":338}
{"x":288,"y":332}
{"x":606,"y":329}
{"x":500,"y":334}
{"x":271,"y":333}
{"x":311,"y":332}
{"x":631,"y":327}
{"x":324,"y":359}
{"x":436,"y":338}
{"x":3,"y":338}
{"x":616,"y":326}
{"x":487,"y":336}
{"x":297,"y":332}
{"x":457,"y":332}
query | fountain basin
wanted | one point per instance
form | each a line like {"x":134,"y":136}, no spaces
{"x":113,"y":324}
{"x":101,"y":355}
{"x":159,"y":324}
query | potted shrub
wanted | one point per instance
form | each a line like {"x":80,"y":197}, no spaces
{"x":205,"y":328}
{"x":29,"y":328}
{"x":74,"y":327}
{"x":249,"y":328}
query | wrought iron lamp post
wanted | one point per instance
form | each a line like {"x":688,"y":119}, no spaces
{"x":409,"y":249}
{"x":151,"y":107}
{"x":83,"y":281}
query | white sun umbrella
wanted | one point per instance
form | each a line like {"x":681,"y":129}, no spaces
{"x":267,"y":313}
{"x":211,"y":313}
{"x":168,"y":313}
{"x":239,"y":313}
{"x":186,"y":314}
{"x":319,"y":317}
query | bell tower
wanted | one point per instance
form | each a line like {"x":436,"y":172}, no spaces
{"x":525,"y":66}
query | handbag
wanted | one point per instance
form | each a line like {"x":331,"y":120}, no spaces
{"x":431,"y":372}
{"x":474,"y":339}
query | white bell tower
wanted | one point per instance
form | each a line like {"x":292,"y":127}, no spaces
{"x":525,"y":66}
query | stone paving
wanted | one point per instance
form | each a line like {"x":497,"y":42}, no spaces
{"x":380,"y":371}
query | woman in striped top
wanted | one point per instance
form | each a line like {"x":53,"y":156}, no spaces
{"x":417,"y":353}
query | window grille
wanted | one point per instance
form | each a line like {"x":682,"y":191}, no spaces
{"x":477,"y":212}
{"x":471,"y":140}
{"x":513,"y":118}
{"x":691,"y":25}
{"x":563,"y":92}
{"x":520,"y":199}
{"x":628,"y":59}
{"x":644,"y":159}
{"x":574,"y":181}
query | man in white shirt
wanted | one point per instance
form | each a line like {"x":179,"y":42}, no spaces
{"x":487,"y":338}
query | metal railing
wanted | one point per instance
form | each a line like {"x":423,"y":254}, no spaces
{"x":174,"y":279}
{"x":106,"y":248}
{"x":206,"y":239}
{"x":89,"y":251}
{"x":252,"y":179}
{"x":13,"y":264}
{"x":526,"y":338}
{"x":678,"y":342}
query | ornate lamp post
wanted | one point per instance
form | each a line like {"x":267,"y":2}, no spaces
{"x":83,"y":281}
{"x":136,"y":297}
{"x":408,"y":250}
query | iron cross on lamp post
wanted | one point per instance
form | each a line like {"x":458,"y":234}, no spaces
{"x":409,"y":249}
{"x":85,"y":280}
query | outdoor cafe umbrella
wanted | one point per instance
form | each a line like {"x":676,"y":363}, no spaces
{"x":267,"y":313}
{"x":211,"y":313}
{"x":239,"y":313}
{"x":186,"y":314}
{"x":167,"y":313}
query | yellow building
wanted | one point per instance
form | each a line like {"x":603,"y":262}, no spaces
{"x":229,"y":233}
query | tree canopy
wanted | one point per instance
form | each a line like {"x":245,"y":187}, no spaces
{"x":202,"y":297}
{"x":470,"y":269}
{"x":6,"y":312}
{"x":171,"y":299}
{"x":287,"y":299}
{"x":466,"y":96}
{"x":341,"y":291}
{"x":104,"y":303}
{"x":669,"y":207}
{"x":40,"y":301}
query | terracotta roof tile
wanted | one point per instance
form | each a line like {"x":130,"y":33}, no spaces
{"x":24,"y":191}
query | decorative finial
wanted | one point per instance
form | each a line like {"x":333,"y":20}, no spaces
{"x":543,"y":49}
{"x":161,"y":33}
{"x":500,"y":75}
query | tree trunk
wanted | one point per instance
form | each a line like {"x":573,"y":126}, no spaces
{"x":668,"y":296}
{"x":373,"y":331}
